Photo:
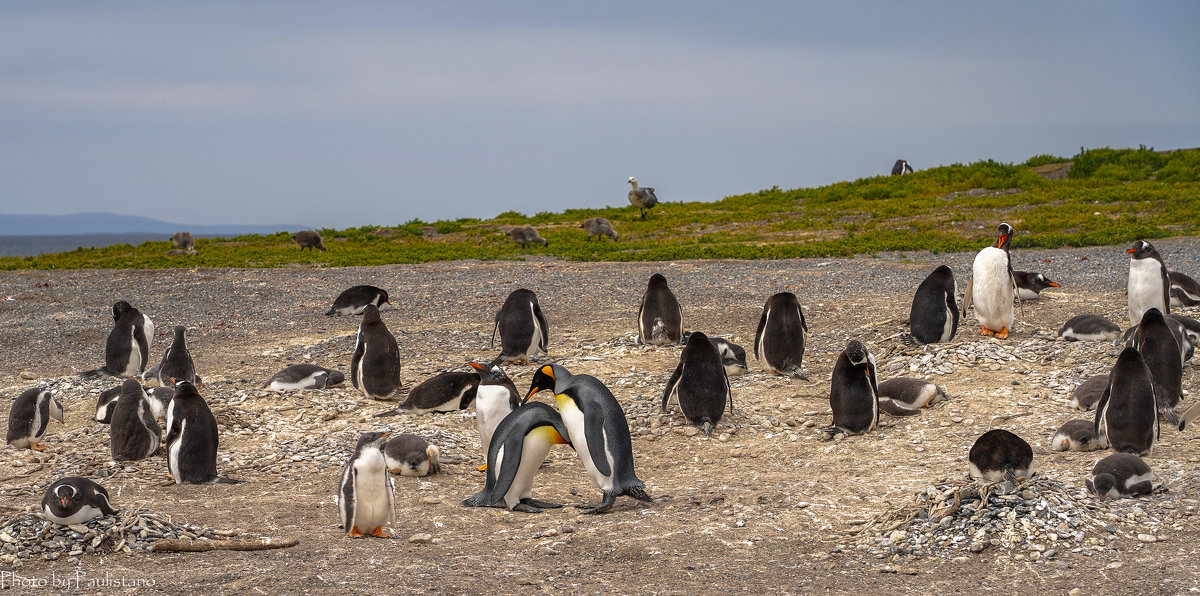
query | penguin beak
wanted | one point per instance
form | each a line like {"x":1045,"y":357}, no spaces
{"x":532,"y":390}
{"x":1053,"y":285}
{"x":477,"y":366}
{"x":63,"y":500}
{"x":1131,"y":251}
{"x":1003,"y":237}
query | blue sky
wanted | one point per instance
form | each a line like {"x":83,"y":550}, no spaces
{"x":337,"y":114}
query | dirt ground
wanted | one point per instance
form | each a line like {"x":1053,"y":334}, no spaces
{"x":761,"y":506}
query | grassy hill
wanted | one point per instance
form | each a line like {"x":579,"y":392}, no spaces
{"x":1100,"y":196}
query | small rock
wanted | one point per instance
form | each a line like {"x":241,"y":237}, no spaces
{"x":29,"y":375}
{"x":420,"y":538}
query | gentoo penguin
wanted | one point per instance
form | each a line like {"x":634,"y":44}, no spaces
{"x":1189,"y":326}
{"x":160,"y":400}
{"x":1077,"y":435}
{"x":1088,"y":393}
{"x":999,"y":455}
{"x":1149,"y":287}
{"x":365,"y":495}
{"x":353,"y":300}
{"x":375,"y":366}
{"x":733,"y":356}
{"x":1120,"y":475}
{"x":75,"y":500}
{"x":1127,"y":416}
{"x":660,"y":319}
{"x":934,"y":314}
{"x":444,"y":392}
{"x":518,"y":447}
{"x":643,"y":198}
{"x":901,"y":168}
{"x":599,"y":226}
{"x":308,"y":239}
{"x":1185,"y":338}
{"x":134,"y":433}
{"x":779,"y":339}
{"x":304,"y":376}
{"x":410,"y":455}
{"x":128,"y":344}
{"x":30,"y":416}
{"x":1160,"y":351}
{"x":1184,"y":290}
{"x":177,"y":361}
{"x":990,"y":290}
{"x":1030,"y":285}
{"x":597,"y":429}
{"x":854,"y":392}
{"x":106,"y":403}
{"x":526,"y":235}
{"x":495,"y":397}
{"x":522,"y":328}
{"x":191,"y":442}
{"x":699,"y":384}
{"x":908,"y":393}
{"x":1089,"y":328}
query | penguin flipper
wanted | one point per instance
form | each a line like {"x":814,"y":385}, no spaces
{"x":542,"y":325}
{"x":967,"y":296}
{"x":593,"y":422}
{"x":359,"y":348}
{"x":672,"y":387}
{"x":890,"y":406}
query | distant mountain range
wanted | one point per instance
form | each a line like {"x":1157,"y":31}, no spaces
{"x":112,"y":223}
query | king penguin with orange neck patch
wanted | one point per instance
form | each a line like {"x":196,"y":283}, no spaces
{"x":597,"y":428}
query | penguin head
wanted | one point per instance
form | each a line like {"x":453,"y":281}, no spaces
{"x":372,"y":440}
{"x":65,"y":495}
{"x":383,"y":297}
{"x":120,"y":308}
{"x":657,"y":280}
{"x":547,"y":377}
{"x":56,"y":409}
{"x":490,"y":372}
{"x":1004,"y":234}
{"x":371,"y":315}
{"x":1103,"y":483}
{"x":1142,"y":250}
{"x":1152,"y":314}
{"x":1044,"y":282}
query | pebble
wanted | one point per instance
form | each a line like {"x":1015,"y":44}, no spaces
{"x":420,"y":538}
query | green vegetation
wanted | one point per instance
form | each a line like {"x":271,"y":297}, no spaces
{"x":1110,"y":196}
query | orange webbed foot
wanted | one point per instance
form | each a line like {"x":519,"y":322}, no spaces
{"x":986,"y":331}
{"x":36,"y":447}
{"x":379,"y":533}
{"x":354,"y":533}
{"x":1002,"y":334}
{"x":482,"y":468}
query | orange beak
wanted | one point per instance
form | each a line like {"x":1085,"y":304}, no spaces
{"x":63,"y":500}
{"x":1132,"y":250}
{"x":1053,"y":284}
{"x":1001,"y":240}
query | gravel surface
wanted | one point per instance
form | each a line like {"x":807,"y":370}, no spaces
{"x":763,"y":504}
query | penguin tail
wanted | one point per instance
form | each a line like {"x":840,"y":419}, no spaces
{"x":330,"y":312}
{"x":222,"y":480}
{"x":1171,"y":417}
{"x":392,"y":412}
{"x":638,"y":491}
{"x":707,"y":427}
{"x":96,"y":373}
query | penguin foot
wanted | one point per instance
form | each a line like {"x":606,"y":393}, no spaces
{"x":986,"y":331}
{"x":541,"y":504}
{"x":354,"y":533}
{"x":379,"y":533}
{"x":1002,"y":333}
{"x":524,"y":508}
{"x":36,"y":447}
{"x":600,"y":507}
{"x":482,"y":468}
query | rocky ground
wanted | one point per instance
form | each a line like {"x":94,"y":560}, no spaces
{"x":763,"y":504}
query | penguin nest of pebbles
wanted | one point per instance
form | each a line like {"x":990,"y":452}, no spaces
{"x":132,"y":530}
{"x":1041,"y":516}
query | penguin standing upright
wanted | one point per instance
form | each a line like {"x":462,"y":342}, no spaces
{"x":990,"y":290}
{"x":192,"y":439}
{"x":999,"y":455}
{"x":597,"y":429}
{"x":134,"y":433}
{"x":375,"y":366}
{"x":1120,"y":475}
{"x":75,"y":500}
{"x":365,"y":494}
{"x":495,"y":397}
{"x":779,"y":339}
{"x":1127,"y":416}
{"x":515,"y":454}
{"x":353,"y":300}
{"x":410,"y":455}
{"x":177,"y":361}
{"x":660,"y":318}
{"x":1160,"y":351}
{"x":1185,"y":291}
{"x":934,"y":314}
{"x":128,"y":345}
{"x":699,"y":384}
{"x":1149,"y":285}
{"x":106,"y":403}
{"x":30,"y":417}
{"x":854,"y":392}
{"x":522,"y":328}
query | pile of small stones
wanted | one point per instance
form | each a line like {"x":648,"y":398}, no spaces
{"x":31,"y":535}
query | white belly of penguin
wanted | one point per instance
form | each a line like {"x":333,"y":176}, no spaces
{"x":573,"y":420}
{"x":135,"y":355}
{"x":491,"y":406}
{"x":948,"y":326}
{"x":1145,"y":288}
{"x":371,"y":492}
{"x":173,"y":453}
{"x":992,"y":290}
{"x":533,"y":450}
{"x":85,"y":513}
{"x":535,"y":344}
{"x":309,"y":382}
{"x":762,"y":351}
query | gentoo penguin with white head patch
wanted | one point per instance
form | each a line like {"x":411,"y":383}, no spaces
{"x":365,"y":494}
{"x":999,"y":455}
{"x":75,"y":500}
{"x":733,"y":356}
{"x":410,"y":455}
{"x":128,"y":345}
{"x":1149,"y":287}
{"x":522,"y":328}
{"x":1127,"y":416}
{"x":1088,"y":393}
{"x":177,"y":361}
{"x":133,"y":433}
{"x":30,"y":416}
{"x":1077,"y":435}
{"x":495,"y":397}
{"x":699,"y":384}
{"x":1120,"y":475}
{"x":1184,"y":290}
{"x":304,"y":376}
{"x":106,"y":403}
{"x":660,"y":319}
{"x":444,"y":392}
{"x":1160,"y":351}
{"x":990,"y":290}
{"x":597,"y":429}
{"x":192,"y":438}
{"x":1089,"y":328}
{"x":934,"y":314}
{"x":375,"y":366}
{"x":909,"y":394}
{"x":854,"y":392}
{"x":779,"y":339}
{"x":1029,"y":285}
{"x":515,"y":454}
{"x":353,"y":300}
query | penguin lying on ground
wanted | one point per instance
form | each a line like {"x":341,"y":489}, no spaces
{"x":999,"y":455}
{"x":304,"y":376}
{"x":1184,"y":290}
{"x":1077,"y":435}
{"x":522,"y":327}
{"x":934,"y":314}
{"x":1127,"y":415}
{"x":444,"y":392}
{"x":699,"y":384}
{"x":1089,"y":328}
{"x":660,"y":318}
{"x":903,"y":393}
{"x":365,"y":494}
{"x":1120,"y":475}
{"x":353,"y":300}
{"x":1088,"y":393}
{"x":75,"y":500}
{"x":30,"y":416}
{"x":779,"y":339}
{"x":410,"y":455}
{"x":1030,"y":285}
{"x":518,"y":446}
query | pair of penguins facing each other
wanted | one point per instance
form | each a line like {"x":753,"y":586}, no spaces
{"x":127,"y":349}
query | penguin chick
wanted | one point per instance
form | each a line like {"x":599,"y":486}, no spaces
{"x":1184,"y":290}
{"x":1120,"y":475}
{"x":365,"y":494}
{"x":1030,"y":285}
{"x":304,"y":376}
{"x":375,"y":365}
{"x":660,"y":318}
{"x":410,"y":455}
{"x":904,"y":393}
{"x":1077,"y":435}
{"x":1088,"y":393}
{"x":522,"y":328}
{"x":353,"y":300}
{"x":999,"y":455}
{"x":1089,"y":328}
{"x":30,"y":417}
{"x":699,"y":384}
{"x":779,"y":339}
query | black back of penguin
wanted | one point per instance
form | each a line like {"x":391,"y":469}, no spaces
{"x":699,"y":383}
{"x":999,"y":455}
{"x":128,"y":344}
{"x":1159,"y":348}
{"x":1127,"y":414}
{"x":934,"y":314}
{"x":74,"y":500}
{"x":660,"y":318}
{"x":510,"y":438}
{"x":353,"y":300}
{"x":443,"y":392}
{"x":177,"y":362}
{"x":521,"y":325}
{"x":133,"y":432}
{"x":30,"y":416}
{"x":779,"y":339}
{"x":375,"y":366}
{"x":192,"y":437}
{"x":854,"y":391}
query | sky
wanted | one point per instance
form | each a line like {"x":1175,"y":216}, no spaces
{"x":341,"y":114}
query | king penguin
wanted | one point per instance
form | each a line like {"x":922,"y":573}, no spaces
{"x":177,"y":361}
{"x":1120,"y":475}
{"x":854,"y":392}
{"x":375,"y":366}
{"x":990,"y":290}
{"x":365,"y":494}
{"x":133,"y":433}
{"x":597,"y":428}
{"x":75,"y":500}
{"x":660,"y":318}
{"x":999,"y":455}
{"x":522,"y":328}
{"x":516,"y":452}
{"x":779,"y":339}
{"x":1149,"y":285}
{"x":934,"y":314}
{"x":699,"y":384}
{"x":30,"y":417}
{"x":353,"y":300}
{"x":495,"y":397}
{"x":1159,"y":348}
{"x":192,"y":439}
{"x":128,"y":344}
{"x":1127,"y":416}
